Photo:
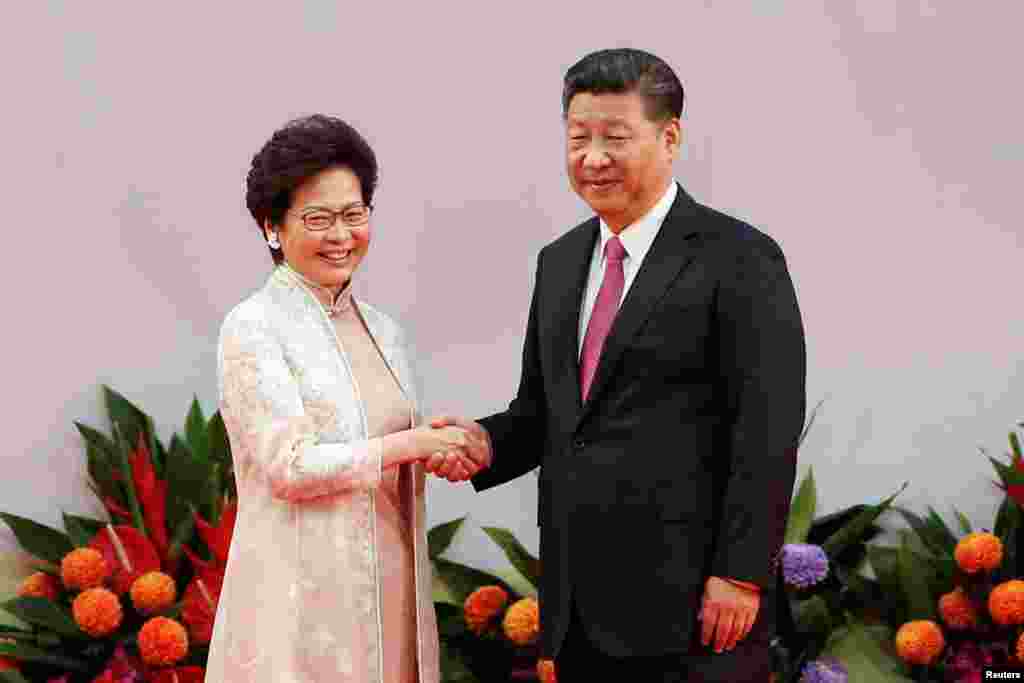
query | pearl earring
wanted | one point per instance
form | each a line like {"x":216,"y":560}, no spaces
{"x":273,"y":242}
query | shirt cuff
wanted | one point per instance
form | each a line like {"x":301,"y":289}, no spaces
{"x":744,"y":584}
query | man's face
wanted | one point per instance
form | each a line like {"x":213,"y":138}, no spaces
{"x":618,"y":160}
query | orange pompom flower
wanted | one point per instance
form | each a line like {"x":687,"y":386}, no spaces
{"x":482,"y":605}
{"x":97,"y":611}
{"x":957,"y":610}
{"x":522,"y":621}
{"x":546,"y":671}
{"x":162,"y":642}
{"x":153,"y":592}
{"x":39,"y":585}
{"x":978,"y":551}
{"x":1006,"y":603}
{"x":83,"y":568}
{"x":919,"y":642}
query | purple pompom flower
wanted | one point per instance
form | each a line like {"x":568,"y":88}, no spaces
{"x":803,"y":565}
{"x":826,"y":670}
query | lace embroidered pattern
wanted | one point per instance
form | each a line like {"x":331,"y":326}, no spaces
{"x":300,"y":598}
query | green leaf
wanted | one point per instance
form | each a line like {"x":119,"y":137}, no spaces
{"x":450,"y":620}
{"x":42,"y":612}
{"x":524,"y":562}
{"x":123,"y":449}
{"x":855,"y":530}
{"x":81,"y":529}
{"x":932,"y":531}
{"x":1007,"y":528}
{"x":101,"y":459}
{"x":1015,"y":448}
{"x":12,"y":676}
{"x":915,"y":576}
{"x":27,"y":653}
{"x":866,"y":661}
{"x":965,"y":524}
{"x":1010,"y":476}
{"x":440,"y":537}
{"x":127,"y":418}
{"x":810,"y":421}
{"x":517,"y":582}
{"x":461,"y":580}
{"x":453,"y":666}
{"x":37,"y":539}
{"x":195,"y":432}
{"x":1008,"y":518}
{"x":217,"y":436}
{"x":101,"y":471}
{"x":801,"y":512}
{"x":159,"y":456}
{"x":93,"y":437}
{"x":813,"y":616}
{"x":187,"y":482}
{"x":884,"y":563}
{"x":181,"y":536}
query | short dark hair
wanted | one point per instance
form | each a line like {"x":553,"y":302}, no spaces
{"x":622,"y":70}
{"x":298,"y":151}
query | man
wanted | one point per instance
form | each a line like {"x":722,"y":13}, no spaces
{"x":662,"y":397}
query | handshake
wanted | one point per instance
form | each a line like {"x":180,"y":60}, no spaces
{"x":453,"y":448}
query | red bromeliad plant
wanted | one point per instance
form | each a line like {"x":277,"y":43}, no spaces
{"x":113,"y":600}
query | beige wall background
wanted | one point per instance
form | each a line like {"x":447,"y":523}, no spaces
{"x":878,"y":142}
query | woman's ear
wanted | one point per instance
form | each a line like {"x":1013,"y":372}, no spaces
{"x":270,"y":233}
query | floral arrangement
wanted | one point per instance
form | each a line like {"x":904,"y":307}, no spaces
{"x":130,"y":599}
{"x":827,"y":607}
{"x":489,"y":624}
{"x":965,"y":610}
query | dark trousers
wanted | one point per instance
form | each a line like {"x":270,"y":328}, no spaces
{"x":580,"y":660}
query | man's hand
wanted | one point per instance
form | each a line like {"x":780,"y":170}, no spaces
{"x":727,"y":613}
{"x":460,"y":465}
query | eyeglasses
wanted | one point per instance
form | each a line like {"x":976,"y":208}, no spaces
{"x":320,"y":219}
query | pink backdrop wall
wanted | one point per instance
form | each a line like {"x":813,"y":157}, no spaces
{"x":878,"y":142}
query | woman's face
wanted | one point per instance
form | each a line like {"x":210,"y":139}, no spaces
{"x":327,"y":257}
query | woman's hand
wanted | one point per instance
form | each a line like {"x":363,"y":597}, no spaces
{"x":427,"y":441}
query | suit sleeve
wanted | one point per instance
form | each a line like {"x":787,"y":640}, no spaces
{"x":763,"y":365}
{"x":518,"y":434}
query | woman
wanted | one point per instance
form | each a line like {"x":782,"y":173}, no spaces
{"x":328,"y":577}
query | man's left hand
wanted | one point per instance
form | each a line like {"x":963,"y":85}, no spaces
{"x":727,"y":613}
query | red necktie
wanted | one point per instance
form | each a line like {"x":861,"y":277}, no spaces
{"x":605,"y":308}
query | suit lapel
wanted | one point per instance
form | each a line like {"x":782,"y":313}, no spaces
{"x":667,"y":257}
{"x":572,"y":268}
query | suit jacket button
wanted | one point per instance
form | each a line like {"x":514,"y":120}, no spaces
{"x":579,"y":444}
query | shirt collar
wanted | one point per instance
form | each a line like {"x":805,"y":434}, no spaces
{"x":638,"y":237}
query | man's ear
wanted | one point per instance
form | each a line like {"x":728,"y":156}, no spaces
{"x":674,"y":136}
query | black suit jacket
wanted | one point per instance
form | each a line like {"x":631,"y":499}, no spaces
{"x":680,"y":464}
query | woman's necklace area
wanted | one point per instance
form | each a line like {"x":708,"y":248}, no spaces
{"x":339,"y":303}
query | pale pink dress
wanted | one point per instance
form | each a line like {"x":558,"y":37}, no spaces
{"x":387,"y":411}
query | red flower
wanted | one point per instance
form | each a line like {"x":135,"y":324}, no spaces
{"x":142,"y":556}
{"x":199,"y":603}
{"x":1016,"y":491}
{"x":181,"y":674}
{"x":218,"y":538}
{"x":152,"y":494}
{"x":115,"y":509}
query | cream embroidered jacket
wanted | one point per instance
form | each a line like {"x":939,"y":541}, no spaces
{"x":301,"y":595}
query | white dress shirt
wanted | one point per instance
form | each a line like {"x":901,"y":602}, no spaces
{"x":636,"y":239}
